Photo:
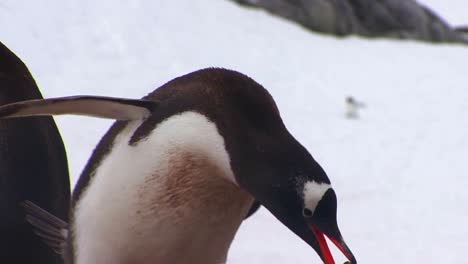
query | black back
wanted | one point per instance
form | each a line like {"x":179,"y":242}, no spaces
{"x":233,"y":101}
{"x":33,"y":166}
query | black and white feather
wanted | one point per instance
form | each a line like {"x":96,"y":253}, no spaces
{"x":51,"y":229}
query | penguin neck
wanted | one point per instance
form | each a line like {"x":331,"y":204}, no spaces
{"x":174,"y":191}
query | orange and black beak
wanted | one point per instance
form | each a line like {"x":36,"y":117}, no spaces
{"x":323,"y":223}
{"x":325,"y":250}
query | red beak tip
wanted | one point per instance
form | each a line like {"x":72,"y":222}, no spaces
{"x":327,"y":256}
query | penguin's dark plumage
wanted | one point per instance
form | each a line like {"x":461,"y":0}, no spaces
{"x":33,"y":166}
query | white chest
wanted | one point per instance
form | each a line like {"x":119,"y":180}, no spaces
{"x":169,"y":199}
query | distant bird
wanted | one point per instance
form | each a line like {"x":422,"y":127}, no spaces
{"x":352,"y":107}
{"x":172,"y":180}
{"x":33,"y":166}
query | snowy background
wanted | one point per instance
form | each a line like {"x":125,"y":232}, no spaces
{"x":400,"y":171}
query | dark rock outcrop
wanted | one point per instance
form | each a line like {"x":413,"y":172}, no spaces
{"x":405,"y":19}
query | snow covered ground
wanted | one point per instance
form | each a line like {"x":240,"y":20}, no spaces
{"x":400,"y":171}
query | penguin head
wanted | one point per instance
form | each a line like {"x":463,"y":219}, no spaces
{"x":297,"y":191}
{"x":350,"y":100}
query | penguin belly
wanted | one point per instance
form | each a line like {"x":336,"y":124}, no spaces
{"x":170,"y":198}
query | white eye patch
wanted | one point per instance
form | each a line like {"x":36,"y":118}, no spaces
{"x":313,"y":193}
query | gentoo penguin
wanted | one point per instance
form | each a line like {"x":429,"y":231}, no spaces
{"x":352,"y":107}
{"x":33,"y":166}
{"x":173,"y":178}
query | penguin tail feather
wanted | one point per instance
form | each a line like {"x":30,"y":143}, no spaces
{"x":51,"y":229}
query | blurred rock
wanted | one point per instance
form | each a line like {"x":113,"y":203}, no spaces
{"x":403,"y":19}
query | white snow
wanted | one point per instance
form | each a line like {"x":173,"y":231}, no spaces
{"x":400,"y":171}
{"x":452,"y":11}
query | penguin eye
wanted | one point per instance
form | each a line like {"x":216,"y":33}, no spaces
{"x":306,"y":212}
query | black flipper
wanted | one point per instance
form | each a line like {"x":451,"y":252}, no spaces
{"x":253,"y":209}
{"x":97,"y":106}
{"x":51,"y":229}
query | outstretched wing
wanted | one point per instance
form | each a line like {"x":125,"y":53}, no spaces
{"x":52,"y":230}
{"x":97,"y":106}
